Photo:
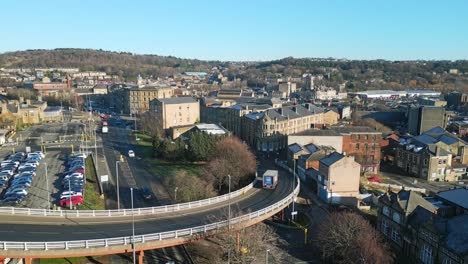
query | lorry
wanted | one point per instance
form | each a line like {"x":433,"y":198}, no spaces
{"x":105,"y":129}
{"x":270,"y":179}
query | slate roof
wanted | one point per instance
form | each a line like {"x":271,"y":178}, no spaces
{"x":295,"y":148}
{"x":408,"y":201}
{"x":448,"y":139}
{"x":311,"y":148}
{"x":457,"y":196}
{"x":457,"y":237}
{"x":332,"y":158}
{"x":425,"y":139}
{"x":293,"y":111}
{"x":435,"y":131}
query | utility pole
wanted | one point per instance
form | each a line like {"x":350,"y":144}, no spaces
{"x":133,"y":228}
{"x":229,"y":214}
{"x":118,"y":189}
{"x":47,"y":187}
{"x":294,"y":183}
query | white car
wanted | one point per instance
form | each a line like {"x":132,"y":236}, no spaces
{"x":39,"y":153}
{"x":27,"y":165}
{"x":131,"y":154}
{"x":67,"y":194}
{"x":31,"y":155}
{"x":74,"y":175}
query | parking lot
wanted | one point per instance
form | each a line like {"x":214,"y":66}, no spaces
{"x":56,"y":140}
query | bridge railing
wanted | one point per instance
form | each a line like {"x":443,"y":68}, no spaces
{"x":126,"y":212}
{"x":119,"y":241}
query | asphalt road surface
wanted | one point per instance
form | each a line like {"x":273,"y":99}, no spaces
{"x":15,"y":228}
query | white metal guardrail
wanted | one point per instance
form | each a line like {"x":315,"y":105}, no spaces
{"x":126,"y":212}
{"x":119,"y":241}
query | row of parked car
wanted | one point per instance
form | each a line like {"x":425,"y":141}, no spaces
{"x":73,"y":181}
{"x":16,"y":175}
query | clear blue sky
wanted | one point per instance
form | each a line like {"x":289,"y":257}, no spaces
{"x":243,"y":29}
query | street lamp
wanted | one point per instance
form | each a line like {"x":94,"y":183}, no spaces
{"x":47,"y":187}
{"x":133,"y":227}
{"x":294,"y":183}
{"x":175,"y":194}
{"x":229,"y":210}
{"x":117,"y":176}
{"x":69,"y":192}
{"x":266,"y":257}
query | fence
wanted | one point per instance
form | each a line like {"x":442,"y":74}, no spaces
{"x":126,"y":212}
{"x":118,"y":241}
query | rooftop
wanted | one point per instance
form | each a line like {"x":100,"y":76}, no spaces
{"x":337,"y":131}
{"x":332,"y":158}
{"x":211,"y":129}
{"x":177,"y":100}
{"x":456,"y":196}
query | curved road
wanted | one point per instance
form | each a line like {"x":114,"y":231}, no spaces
{"x":41,"y":229}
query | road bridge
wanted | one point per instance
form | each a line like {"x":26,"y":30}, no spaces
{"x":28,"y":235}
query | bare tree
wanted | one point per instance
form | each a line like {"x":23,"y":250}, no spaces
{"x":189,"y":187}
{"x":348,"y":238}
{"x":231,"y":157}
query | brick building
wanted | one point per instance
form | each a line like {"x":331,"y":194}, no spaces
{"x":361,"y":142}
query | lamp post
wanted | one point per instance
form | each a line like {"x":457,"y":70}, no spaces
{"x":294,"y":183}
{"x":135,"y":128}
{"x":229,"y":210}
{"x":117,"y":176}
{"x":133,"y":227}
{"x":266,"y":256}
{"x":175,"y":194}
{"x":69,"y":192}
{"x":47,"y":187}
{"x":95,"y":151}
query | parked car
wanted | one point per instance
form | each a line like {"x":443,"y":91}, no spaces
{"x":75,"y":200}
{"x":42,"y":155}
{"x":17,"y":190}
{"x":67,"y":194}
{"x":146,"y":192}
{"x":374,"y":179}
{"x":131,"y":154}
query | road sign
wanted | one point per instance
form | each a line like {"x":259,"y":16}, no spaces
{"x":28,"y":149}
{"x":104,"y":178}
{"x":294,"y":213}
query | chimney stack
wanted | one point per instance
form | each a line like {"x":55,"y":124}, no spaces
{"x":39,"y":98}
{"x":28,"y":102}
{"x":21,"y":99}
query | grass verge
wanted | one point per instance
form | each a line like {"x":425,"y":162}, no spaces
{"x":93,"y":200}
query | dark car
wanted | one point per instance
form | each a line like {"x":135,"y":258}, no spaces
{"x":146,"y":192}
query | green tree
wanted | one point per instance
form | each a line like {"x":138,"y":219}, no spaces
{"x":200,"y":145}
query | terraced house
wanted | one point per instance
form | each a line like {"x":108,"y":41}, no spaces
{"x":435,"y":155}
{"x":267,"y":131}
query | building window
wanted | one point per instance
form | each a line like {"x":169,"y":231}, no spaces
{"x":373,"y":137}
{"x":358,"y":137}
{"x":357,"y":145}
{"x":425,"y":161}
{"x":372,"y":147}
{"x":384,"y":227}
{"x":395,"y":236}
{"x":386,"y":211}
{"x":447,"y":260}
{"x":426,"y":255}
{"x":396,"y":217}
{"x":365,"y":137}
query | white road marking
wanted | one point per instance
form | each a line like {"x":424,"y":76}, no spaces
{"x":6,"y":231}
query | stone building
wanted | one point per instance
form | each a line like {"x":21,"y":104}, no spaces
{"x":176,"y":111}
{"x":133,"y":100}
{"x":267,"y":131}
